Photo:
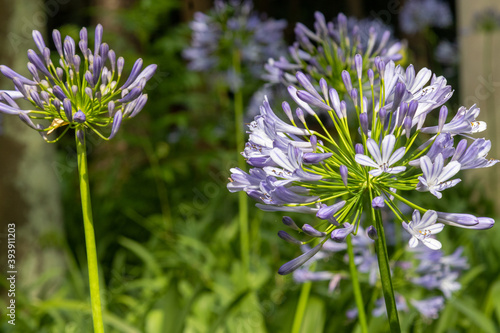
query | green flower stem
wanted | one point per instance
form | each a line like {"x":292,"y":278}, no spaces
{"x":240,"y":145}
{"x":301,"y":305}
{"x":490,"y":99}
{"x":161,"y":189}
{"x":357,"y":289}
{"x":385,"y":271}
{"x":88,"y":224}
{"x":409,"y":203}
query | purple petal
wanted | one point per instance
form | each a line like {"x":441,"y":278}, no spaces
{"x":133,"y":94}
{"x":304,"y":82}
{"x":372,"y":232}
{"x":299,"y":261}
{"x":340,"y":234}
{"x":313,"y":158}
{"x":285,"y":236}
{"x":311,"y":231}
{"x":117,"y":120}
{"x":68,"y":110}
{"x":56,"y":36}
{"x":134,"y":73}
{"x":311,"y":100}
{"x":12,"y":74}
{"x":290,"y":223}
{"x":344,"y":174}
{"x":37,"y":37}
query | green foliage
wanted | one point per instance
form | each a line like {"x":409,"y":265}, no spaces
{"x":167,"y":228}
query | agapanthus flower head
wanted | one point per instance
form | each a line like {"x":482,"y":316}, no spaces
{"x":417,"y":15}
{"x":84,"y":92}
{"x":447,"y":53}
{"x":487,"y":20}
{"x":353,"y":169}
{"x":229,"y":26}
{"x":331,"y":48}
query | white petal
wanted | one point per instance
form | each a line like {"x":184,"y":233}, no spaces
{"x":429,"y":218}
{"x":365,"y":160}
{"x":280,"y":158}
{"x":478,"y":126}
{"x":398,"y":154}
{"x":396,"y":170}
{"x":388,"y":147}
{"x":426,"y":166}
{"x":448,"y":184}
{"x":437,"y":167}
{"x":422,"y":186}
{"x":413,"y":242}
{"x":375,"y":173}
{"x":374,"y":150}
{"x":432,"y":243}
{"x":449,"y":171}
{"x":435,"y":193}
{"x":293,"y":93}
{"x":435,"y":228}
{"x":415,"y":217}
{"x":422,"y":78}
{"x":14,"y":94}
{"x":405,"y":226}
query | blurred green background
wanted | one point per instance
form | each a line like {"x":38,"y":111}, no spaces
{"x":166,"y":226}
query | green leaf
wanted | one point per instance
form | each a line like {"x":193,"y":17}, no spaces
{"x":142,"y":253}
{"x":314,"y":318}
{"x":476,"y":316}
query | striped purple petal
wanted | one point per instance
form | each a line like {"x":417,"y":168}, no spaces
{"x":299,"y":261}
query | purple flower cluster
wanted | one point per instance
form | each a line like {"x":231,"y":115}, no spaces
{"x":417,"y":15}
{"x":80,"y":92}
{"x":330,"y":49}
{"x":424,"y":267}
{"x":301,"y":166}
{"x":233,"y":26}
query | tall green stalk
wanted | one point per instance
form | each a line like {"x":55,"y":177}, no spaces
{"x":302,"y":304}
{"x":356,"y":287}
{"x":240,"y":144}
{"x":385,"y":271}
{"x":88,"y":225}
{"x":490,"y":99}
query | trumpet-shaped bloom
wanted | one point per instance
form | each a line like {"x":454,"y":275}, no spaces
{"x":422,"y":228}
{"x":436,"y":175}
{"x":382,"y":157}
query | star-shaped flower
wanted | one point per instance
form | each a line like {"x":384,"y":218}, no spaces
{"x":421,"y":229}
{"x":436,"y":175}
{"x":382,"y":158}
